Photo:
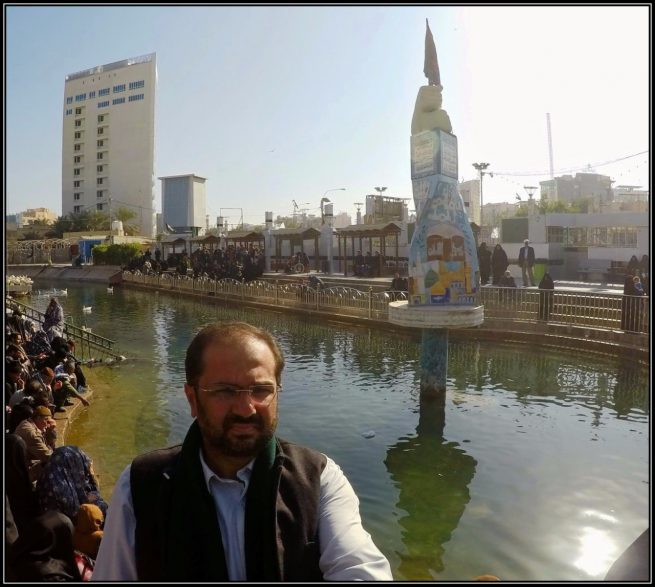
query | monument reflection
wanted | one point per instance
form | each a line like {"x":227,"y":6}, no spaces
{"x":433,"y":475}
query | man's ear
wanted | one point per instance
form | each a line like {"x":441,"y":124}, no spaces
{"x":190,"y":392}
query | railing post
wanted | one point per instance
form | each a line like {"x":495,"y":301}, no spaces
{"x":277,"y":293}
{"x":316,"y":293}
{"x":370,"y":301}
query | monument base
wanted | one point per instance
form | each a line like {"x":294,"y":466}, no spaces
{"x":427,"y":317}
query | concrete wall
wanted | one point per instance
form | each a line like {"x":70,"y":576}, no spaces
{"x":99,"y":273}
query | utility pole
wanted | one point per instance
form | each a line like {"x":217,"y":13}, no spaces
{"x":481,"y":170}
{"x":111,"y":234}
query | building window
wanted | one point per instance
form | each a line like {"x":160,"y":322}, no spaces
{"x":555,"y":234}
{"x":77,"y":183}
{"x":69,"y":112}
{"x":103,"y":92}
{"x":99,"y":207}
{"x":135,"y":98}
{"x":99,"y":168}
{"x":77,"y":158}
{"x":101,"y":117}
{"x":103,"y":104}
{"x":136,"y":85}
{"x":78,"y":123}
{"x":77,"y":209}
{"x":92,"y":95}
{"x":101,"y":143}
{"x":78,"y":134}
{"x":100,"y":155}
{"x":80,"y":97}
{"x":76,"y":171}
{"x":77,"y":147}
{"x":78,"y":111}
{"x":118,"y":101}
{"x":99,"y":193}
{"x":99,"y":182}
{"x":69,"y":100}
{"x":101,"y":131}
{"x":76,"y":196}
{"x":119,"y":88}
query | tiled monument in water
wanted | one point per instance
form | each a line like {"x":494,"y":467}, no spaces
{"x":443,"y":262}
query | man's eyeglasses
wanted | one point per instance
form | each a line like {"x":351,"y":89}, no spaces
{"x":261,"y":394}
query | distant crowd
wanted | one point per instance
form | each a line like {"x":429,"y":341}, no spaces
{"x":240,"y":263}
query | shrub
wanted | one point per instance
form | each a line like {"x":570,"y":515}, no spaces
{"x":115,"y":254}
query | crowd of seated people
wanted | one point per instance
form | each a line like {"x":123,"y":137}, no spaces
{"x":240,"y":263}
{"x":54,"y":512}
{"x":367,"y":266}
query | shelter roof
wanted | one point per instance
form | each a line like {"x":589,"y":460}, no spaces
{"x":305,"y":233}
{"x":370,"y":229}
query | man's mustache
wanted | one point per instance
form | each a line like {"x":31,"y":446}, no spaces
{"x":255,"y":419}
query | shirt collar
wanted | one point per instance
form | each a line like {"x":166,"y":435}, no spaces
{"x":243,"y":474}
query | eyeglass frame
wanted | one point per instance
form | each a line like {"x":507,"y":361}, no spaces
{"x":235,"y":389}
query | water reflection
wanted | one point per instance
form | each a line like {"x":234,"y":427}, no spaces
{"x":613,"y":384}
{"x":433,"y":475}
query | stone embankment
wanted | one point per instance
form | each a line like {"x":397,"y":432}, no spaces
{"x":64,"y":419}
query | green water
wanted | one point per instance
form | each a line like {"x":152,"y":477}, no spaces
{"x":537,"y":469}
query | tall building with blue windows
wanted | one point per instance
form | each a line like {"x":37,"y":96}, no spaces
{"x":108,"y":146}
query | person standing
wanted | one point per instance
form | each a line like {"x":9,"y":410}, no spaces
{"x":546,"y":287}
{"x":499,"y":263}
{"x":484,"y":260}
{"x":526,"y":262}
{"x":53,"y":323}
{"x":234,"y":502}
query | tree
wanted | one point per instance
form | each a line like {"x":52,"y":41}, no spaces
{"x":125,"y":215}
{"x":548,"y":207}
{"x":98,"y":220}
{"x":61,"y":225}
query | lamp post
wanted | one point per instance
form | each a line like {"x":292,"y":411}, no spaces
{"x":380,"y":190}
{"x":530,"y":190}
{"x":481,"y":170}
{"x":326,"y":200}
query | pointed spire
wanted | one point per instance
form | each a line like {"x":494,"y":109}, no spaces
{"x":431,"y":65}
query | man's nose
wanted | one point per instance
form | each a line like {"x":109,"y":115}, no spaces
{"x":243,"y":405}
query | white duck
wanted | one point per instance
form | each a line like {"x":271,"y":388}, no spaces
{"x":86,"y":309}
{"x":110,"y":290}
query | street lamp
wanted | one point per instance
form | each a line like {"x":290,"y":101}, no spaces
{"x":481,"y":170}
{"x":530,"y":189}
{"x":380,"y":190}
{"x":327,"y":200}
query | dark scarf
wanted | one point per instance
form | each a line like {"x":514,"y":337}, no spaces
{"x":193,"y":546}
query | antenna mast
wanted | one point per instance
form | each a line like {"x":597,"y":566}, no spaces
{"x":550,"y":146}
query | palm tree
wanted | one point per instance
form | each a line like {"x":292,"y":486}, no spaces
{"x":125,"y":215}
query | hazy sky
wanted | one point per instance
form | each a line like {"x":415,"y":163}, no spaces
{"x":274,"y":104}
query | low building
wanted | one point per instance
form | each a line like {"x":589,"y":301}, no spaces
{"x":573,"y":244}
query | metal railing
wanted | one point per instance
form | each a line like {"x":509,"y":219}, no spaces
{"x":90,"y":344}
{"x":629,"y":313}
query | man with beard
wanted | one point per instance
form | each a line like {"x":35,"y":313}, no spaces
{"x":233,"y":502}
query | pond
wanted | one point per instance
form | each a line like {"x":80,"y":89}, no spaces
{"x":537,"y":468}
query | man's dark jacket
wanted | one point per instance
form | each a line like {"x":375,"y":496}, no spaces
{"x":177,"y":535}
